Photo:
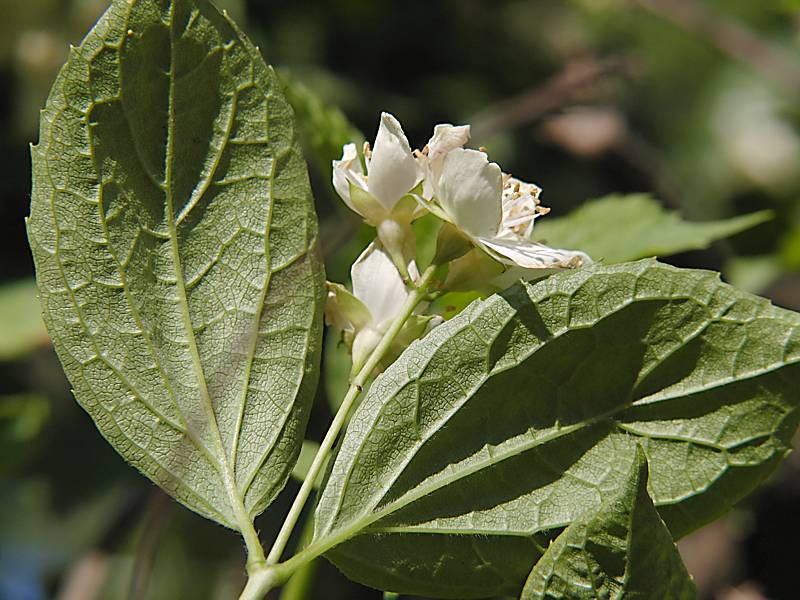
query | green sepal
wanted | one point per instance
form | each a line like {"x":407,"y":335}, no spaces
{"x":451,"y":244}
{"x":344,"y":311}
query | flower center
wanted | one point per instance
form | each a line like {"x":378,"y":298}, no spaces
{"x":521,"y":206}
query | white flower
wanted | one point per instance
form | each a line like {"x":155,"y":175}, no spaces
{"x":495,"y":211}
{"x":445,"y":138}
{"x":378,"y":296}
{"x":382,"y":194}
{"x":347,"y":172}
{"x":392,"y":172}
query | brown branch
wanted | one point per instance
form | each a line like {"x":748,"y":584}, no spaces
{"x":576,"y":77}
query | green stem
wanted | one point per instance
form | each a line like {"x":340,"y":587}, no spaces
{"x":414,"y":298}
{"x":300,"y":584}
{"x":264,"y":577}
{"x":258,"y":584}
{"x":255,"y":551}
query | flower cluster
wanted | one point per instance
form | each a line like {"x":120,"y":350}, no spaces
{"x":486,"y":240}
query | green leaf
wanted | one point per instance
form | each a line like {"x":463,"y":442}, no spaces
{"x":21,"y":325}
{"x":504,"y":424}
{"x":175,"y":247}
{"x":621,"y":228}
{"x":623,"y":550}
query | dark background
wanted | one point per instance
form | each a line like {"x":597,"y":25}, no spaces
{"x":694,"y":101}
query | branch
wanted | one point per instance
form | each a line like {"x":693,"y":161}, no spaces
{"x":576,"y":77}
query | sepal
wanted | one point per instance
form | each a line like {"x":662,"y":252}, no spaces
{"x":343,"y":310}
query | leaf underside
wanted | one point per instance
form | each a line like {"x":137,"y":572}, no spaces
{"x":623,"y":550}
{"x":489,"y":436}
{"x":174,"y":237}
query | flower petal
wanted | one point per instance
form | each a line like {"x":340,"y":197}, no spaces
{"x":346,"y":171}
{"x":393,"y":170}
{"x":447,"y":137}
{"x":514,"y":274}
{"x":378,"y":284}
{"x":469,"y":191}
{"x":533,"y":255}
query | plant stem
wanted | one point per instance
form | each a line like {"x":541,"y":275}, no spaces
{"x":259,"y":583}
{"x":264,"y":577}
{"x":300,"y":584}
{"x":414,"y":298}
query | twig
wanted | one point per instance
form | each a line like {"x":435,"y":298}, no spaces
{"x":575,"y":78}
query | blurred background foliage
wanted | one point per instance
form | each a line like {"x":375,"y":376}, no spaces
{"x":691,"y":105}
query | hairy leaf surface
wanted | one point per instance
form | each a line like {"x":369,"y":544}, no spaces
{"x":493,"y":433}
{"x":623,"y":550}
{"x":619,"y":228}
{"x":175,"y":245}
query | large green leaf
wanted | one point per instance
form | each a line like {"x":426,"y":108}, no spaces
{"x":175,"y":246}
{"x":623,"y":550}
{"x":619,"y":228}
{"x":495,"y":431}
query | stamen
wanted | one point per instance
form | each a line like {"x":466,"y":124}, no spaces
{"x":521,"y":206}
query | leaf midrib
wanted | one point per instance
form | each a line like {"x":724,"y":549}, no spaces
{"x":254,"y":331}
{"x":223,"y":466}
{"x":99,"y":356}
{"x":361,"y":524}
